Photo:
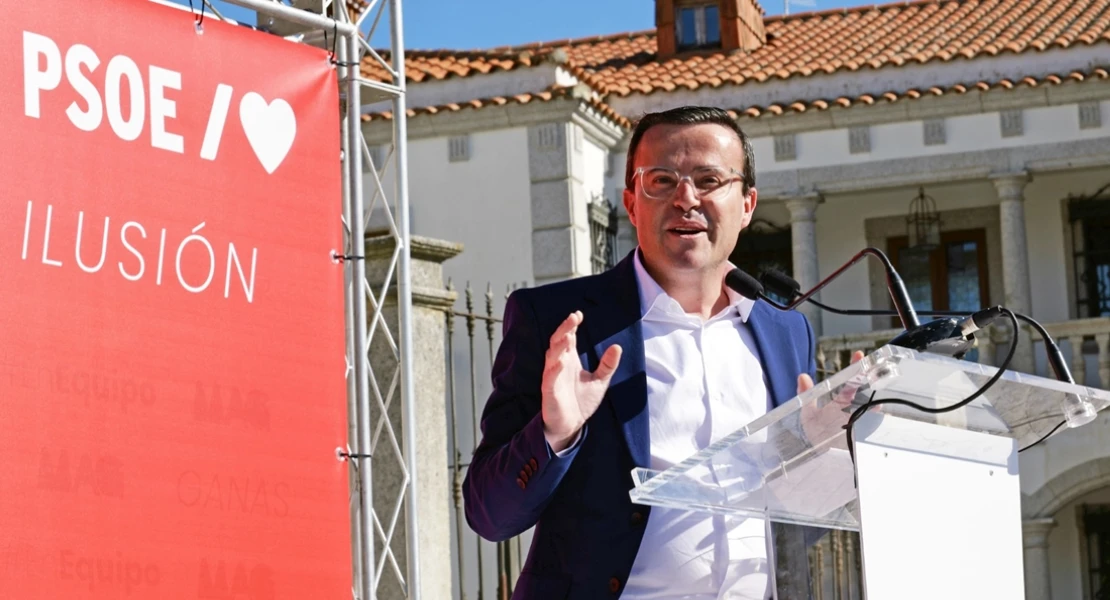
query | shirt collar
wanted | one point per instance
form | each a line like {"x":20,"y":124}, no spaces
{"x":653,"y":296}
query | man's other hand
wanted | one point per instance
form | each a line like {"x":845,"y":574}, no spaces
{"x":570,"y":393}
{"x":805,"y":382}
{"x":824,"y":422}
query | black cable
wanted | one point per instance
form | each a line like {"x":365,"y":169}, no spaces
{"x":897,"y":288}
{"x":789,"y":288}
{"x":1045,"y":437}
{"x":866,"y":312}
{"x":198,"y":22}
{"x":932,"y":313}
{"x":990,"y":382}
{"x":1055,"y":358}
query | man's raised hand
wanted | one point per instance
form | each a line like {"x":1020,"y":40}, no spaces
{"x":570,"y":393}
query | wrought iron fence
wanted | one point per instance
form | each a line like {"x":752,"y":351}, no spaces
{"x":484,"y":570}
{"x":603,"y":234}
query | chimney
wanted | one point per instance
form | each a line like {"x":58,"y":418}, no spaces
{"x":724,"y":25}
{"x":742,"y":25}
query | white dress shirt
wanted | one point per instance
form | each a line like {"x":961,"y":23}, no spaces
{"x":704,"y":382}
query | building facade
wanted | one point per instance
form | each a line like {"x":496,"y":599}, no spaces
{"x":988,"y":121}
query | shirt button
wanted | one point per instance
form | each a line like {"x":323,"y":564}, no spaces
{"x":614,"y":585}
{"x":637,"y":518}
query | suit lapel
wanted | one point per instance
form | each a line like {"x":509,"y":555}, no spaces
{"x":783,"y":384}
{"x":615,"y":319}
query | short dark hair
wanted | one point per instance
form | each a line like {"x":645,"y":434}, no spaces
{"x":691,"y":115}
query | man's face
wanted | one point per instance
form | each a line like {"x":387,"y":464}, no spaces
{"x":687,"y":230}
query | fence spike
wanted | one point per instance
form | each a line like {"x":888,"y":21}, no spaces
{"x":469,"y":309}
{"x":489,"y":312}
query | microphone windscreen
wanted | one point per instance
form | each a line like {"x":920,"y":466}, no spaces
{"x":780,"y":283}
{"x":745,"y":284}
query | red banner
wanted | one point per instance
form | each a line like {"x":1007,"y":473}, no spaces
{"x":171,"y":329}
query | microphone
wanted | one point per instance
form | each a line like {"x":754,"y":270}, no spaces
{"x":941,"y":336}
{"x":744,"y":284}
{"x":895,"y":288}
{"x":952,"y":335}
{"x":782,"y":284}
{"x":1078,"y":411}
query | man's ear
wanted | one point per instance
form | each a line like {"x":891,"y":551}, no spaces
{"x":750,"y":201}
{"x":629,"y":200}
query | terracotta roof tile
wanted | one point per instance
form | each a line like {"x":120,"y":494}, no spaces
{"x":1101,"y":73}
{"x":548,"y":95}
{"x":801,"y":45}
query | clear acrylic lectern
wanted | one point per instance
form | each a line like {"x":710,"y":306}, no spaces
{"x":935,"y":497}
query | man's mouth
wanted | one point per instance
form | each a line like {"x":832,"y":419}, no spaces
{"x":686,"y":231}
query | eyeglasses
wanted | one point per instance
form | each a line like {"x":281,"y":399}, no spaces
{"x":661,"y":183}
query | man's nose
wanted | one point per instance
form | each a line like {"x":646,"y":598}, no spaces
{"x":686,"y":195}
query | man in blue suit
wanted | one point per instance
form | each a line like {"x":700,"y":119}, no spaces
{"x":640,"y":366}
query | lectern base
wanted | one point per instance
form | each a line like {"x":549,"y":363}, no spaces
{"x":940,"y":512}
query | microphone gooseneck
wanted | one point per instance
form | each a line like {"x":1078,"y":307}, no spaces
{"x":781,"y":284}
{"x":952,"y":334}
{"x":894,"y":285}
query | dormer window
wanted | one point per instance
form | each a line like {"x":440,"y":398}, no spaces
{"x":720,"y":25}
{"x":697,"y":26}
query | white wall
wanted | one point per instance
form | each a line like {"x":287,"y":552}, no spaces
{"x":594,"y":160}
{"x":482,"y":202}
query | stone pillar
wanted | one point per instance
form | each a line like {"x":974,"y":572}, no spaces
{"x":560,"y":224}
{"x":429,"y":370}
{"x":803,"y":235}
{"x":792,"y":576}
{"x":1015,"y":258}
{"x":1035,"y":542}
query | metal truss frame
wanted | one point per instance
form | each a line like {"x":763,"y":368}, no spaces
{"x":363,"y":322}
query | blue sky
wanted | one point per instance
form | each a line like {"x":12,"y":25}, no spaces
{"x":462,"y":24}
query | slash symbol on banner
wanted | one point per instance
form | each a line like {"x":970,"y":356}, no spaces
{"x":270,"y":127}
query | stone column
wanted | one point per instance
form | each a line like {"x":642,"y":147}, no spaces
{"x":1015,"y":258}
{"x":433,"y":488}
{"x":792,"y":576}
{"x":560,"y":225}
{"x":803,"y":235}
{"x":1035,"y":542}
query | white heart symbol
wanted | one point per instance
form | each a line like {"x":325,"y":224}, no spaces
{"x":270,"y":128}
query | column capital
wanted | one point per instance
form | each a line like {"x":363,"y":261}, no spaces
{"x":427,"y":256}
{"x":1011,"y":185}
{"x":802,"y":208}
{"x":1035,"y":532}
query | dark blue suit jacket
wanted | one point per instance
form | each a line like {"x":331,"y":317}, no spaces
{"x":587,"y":529}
